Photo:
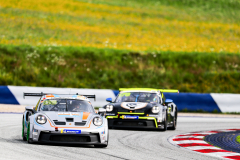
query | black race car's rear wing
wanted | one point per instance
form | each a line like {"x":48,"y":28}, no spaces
{"x":42,"y":94}
{"x":169,"y":90}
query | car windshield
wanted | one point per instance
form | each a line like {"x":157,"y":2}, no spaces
{"x":66,"y":105}
{"x":137,"y":97}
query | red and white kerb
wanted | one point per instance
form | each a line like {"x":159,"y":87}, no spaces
{"x":194,"y":141}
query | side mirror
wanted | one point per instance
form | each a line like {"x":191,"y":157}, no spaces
{"x":29,"y":108}
{"x":109,"y":99}
{"x":168,"y":100}
{"x":101,"y":110}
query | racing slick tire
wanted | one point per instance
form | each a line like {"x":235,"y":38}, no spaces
{"x":23,"y":134}
{"x":29,"y":140}
{"x":164,"y":124}
{"x":174,"y":122}
{"x":101,"y":145}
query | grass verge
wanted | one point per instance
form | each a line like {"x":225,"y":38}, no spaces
{"x":79,"y":67}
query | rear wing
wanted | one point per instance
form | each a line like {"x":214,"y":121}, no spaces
{"x":33,"y":94}
{"x":149,"y":89}
{"x":43,"y":94}
{"x":169,"y":90}
{"x":90,"y":96}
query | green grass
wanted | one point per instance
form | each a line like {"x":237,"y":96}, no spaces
{"x":192,"y":10}
{"x":238,"y":139}
{"x":107,"y":68}
{"x":136,"y":25}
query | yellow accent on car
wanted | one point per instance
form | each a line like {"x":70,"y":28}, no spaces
{"x":148,"y":118}
{"x":112,"y":116}
{"x":169,"y":110}
{"x":149,"y":89}
{"x":37,"y":104}
{"x":169,"y":90}
{"x":137,"y":89}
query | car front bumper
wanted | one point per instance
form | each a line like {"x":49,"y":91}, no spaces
{"x":87,"y":136}
{"x":91,"y":138}
{"x":140,"y":122}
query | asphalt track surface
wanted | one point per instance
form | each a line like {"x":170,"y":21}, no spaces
{"x":123,"y":144}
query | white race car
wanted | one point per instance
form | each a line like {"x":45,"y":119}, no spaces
{"x":70,"y":120}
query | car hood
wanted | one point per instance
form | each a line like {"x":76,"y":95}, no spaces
{"x":62,"y":116}
{"x":138,"y":106}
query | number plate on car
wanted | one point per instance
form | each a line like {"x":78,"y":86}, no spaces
{"x":129,"y":117}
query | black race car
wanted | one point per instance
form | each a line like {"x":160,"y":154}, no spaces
{"x":142,"y":108}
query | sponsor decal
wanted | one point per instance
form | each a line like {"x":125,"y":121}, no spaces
{"x":68,"y":114}
{"x":70,"y":131}
{"x":130,"y":117}
{"x":63,"y":114}
{"x":131,"y":104}
{"x":110,"y":114}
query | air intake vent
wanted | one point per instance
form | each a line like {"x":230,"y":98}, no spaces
{"x":60,"y":123}
{"x":67,"y":138}
{"x":69,"y":119}
{"x":80,"y":123}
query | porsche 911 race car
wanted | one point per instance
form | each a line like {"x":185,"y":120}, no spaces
{"x":142,"y":108}
{"x":70,"y":120}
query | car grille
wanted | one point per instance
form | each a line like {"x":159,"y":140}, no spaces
{"x":73,"y":138}
{"x":129,"y":123}
{"x":80,"y":123}
{"x":60,"y":123}
{"x":67,"y":138}
{"x":69,"y":119}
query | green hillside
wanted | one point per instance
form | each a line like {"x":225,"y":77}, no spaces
{"x":190,"y":45}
